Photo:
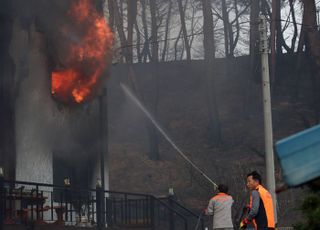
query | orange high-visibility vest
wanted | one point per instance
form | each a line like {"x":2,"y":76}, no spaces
{"x":265,"y":216}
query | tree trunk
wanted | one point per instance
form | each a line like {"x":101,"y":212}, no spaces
{"x":299,"y":60}
{"x":127,"y":51}
{"x":295,"y":34}
{"x":225,"y":19}
{"x":234,"y":41}
{"x":146,"y":48}
{"x":192,"y":26}
{"x":166,"y":45}
{"x":111,"y":13}
{"x":153,"y":137}
{"x":176,"y":45}
{"x":254,"y":58}
{"x":313,"y":46}
{"x":313,"y":36}
{"x":184,"y":29}
{"x":132,"y":14}
{"x":209,"y":54}
{"x":280,"y":41}
{"x":119,"y":25}
{"x":277,"y":40}
{"x":138,"y":48}
{"x":265,"y":8}
{"x":254,"y":33}
{"x":273,"y":40}
{"x":154,"y":32}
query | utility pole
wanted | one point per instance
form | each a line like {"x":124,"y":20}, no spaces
{"x":268,"y":134}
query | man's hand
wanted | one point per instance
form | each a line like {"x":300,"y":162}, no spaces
{"x":244,"y":223}
{"x":246,"y":209}
{"x":205,"y":211}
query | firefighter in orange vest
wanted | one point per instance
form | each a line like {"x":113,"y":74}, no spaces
{"x":261,"y":212}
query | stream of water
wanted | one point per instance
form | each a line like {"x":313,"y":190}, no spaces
{"x":165,"y":135}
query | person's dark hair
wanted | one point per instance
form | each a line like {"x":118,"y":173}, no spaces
{"x":256,"y":176}
{"x":223,"y":188}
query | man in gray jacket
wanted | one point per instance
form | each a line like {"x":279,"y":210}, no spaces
{"x":220,"y":207}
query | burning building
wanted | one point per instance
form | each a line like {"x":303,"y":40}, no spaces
{"x":59,"y":53}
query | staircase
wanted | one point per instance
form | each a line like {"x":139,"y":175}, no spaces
{"x":153,"y":213}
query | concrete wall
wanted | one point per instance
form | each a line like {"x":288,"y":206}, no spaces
{"x":33,"y":108}
{"x":46,"y":130}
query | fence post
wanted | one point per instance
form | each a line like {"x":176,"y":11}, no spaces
{"x":171,"y":197}
{"x":126,"y":209}
{"x":185,"y":224}
{"x":66,"y":183}
{"x":202,"y":223}
{"x":152,"y":207}
{"x":100,"y":206}
{"x":2,"y":199}
{"x":171,"y":217}
{"x":109,"y":212}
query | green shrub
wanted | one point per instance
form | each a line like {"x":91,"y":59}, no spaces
{"x":311,"y":211}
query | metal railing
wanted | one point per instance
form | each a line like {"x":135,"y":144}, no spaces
{"x":141,"y":210}
{"x":24,"y":202}
{"x":195,"y":221}
{"x":40,"y":203}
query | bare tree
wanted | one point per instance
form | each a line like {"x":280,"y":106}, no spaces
{"x":127,"y":47}
{"x":277,"y":40}
{"x":184,"y":29}
{"x":209,"y":56}
{"x":225,"y":20}
{"x":146,"y":48}
{"x":111,"y":13}
{"x":138,"y":46}
{"x":273,"y":38}
{"x":194,"y":22}
{"x":254,"y":32}
{"x":234,"y":40}
{"x":132,"y":14}
{"x":176,"y":45}
{"x":120,"y":29}
{"x":153,"y":137}
{"x":166,"y":44}
{"x":295,"y":31}
{"x":231,"y":24}
{"x":311,"y":29}
{"x":254,"y":52}
{"x":300,"y":55}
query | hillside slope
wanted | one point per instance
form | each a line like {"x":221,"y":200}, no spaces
{"x":182,"y":112}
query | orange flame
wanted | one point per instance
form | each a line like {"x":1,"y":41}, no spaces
{"x":86,"y":57}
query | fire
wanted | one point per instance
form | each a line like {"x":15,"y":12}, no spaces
{"x":89,"y":44}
